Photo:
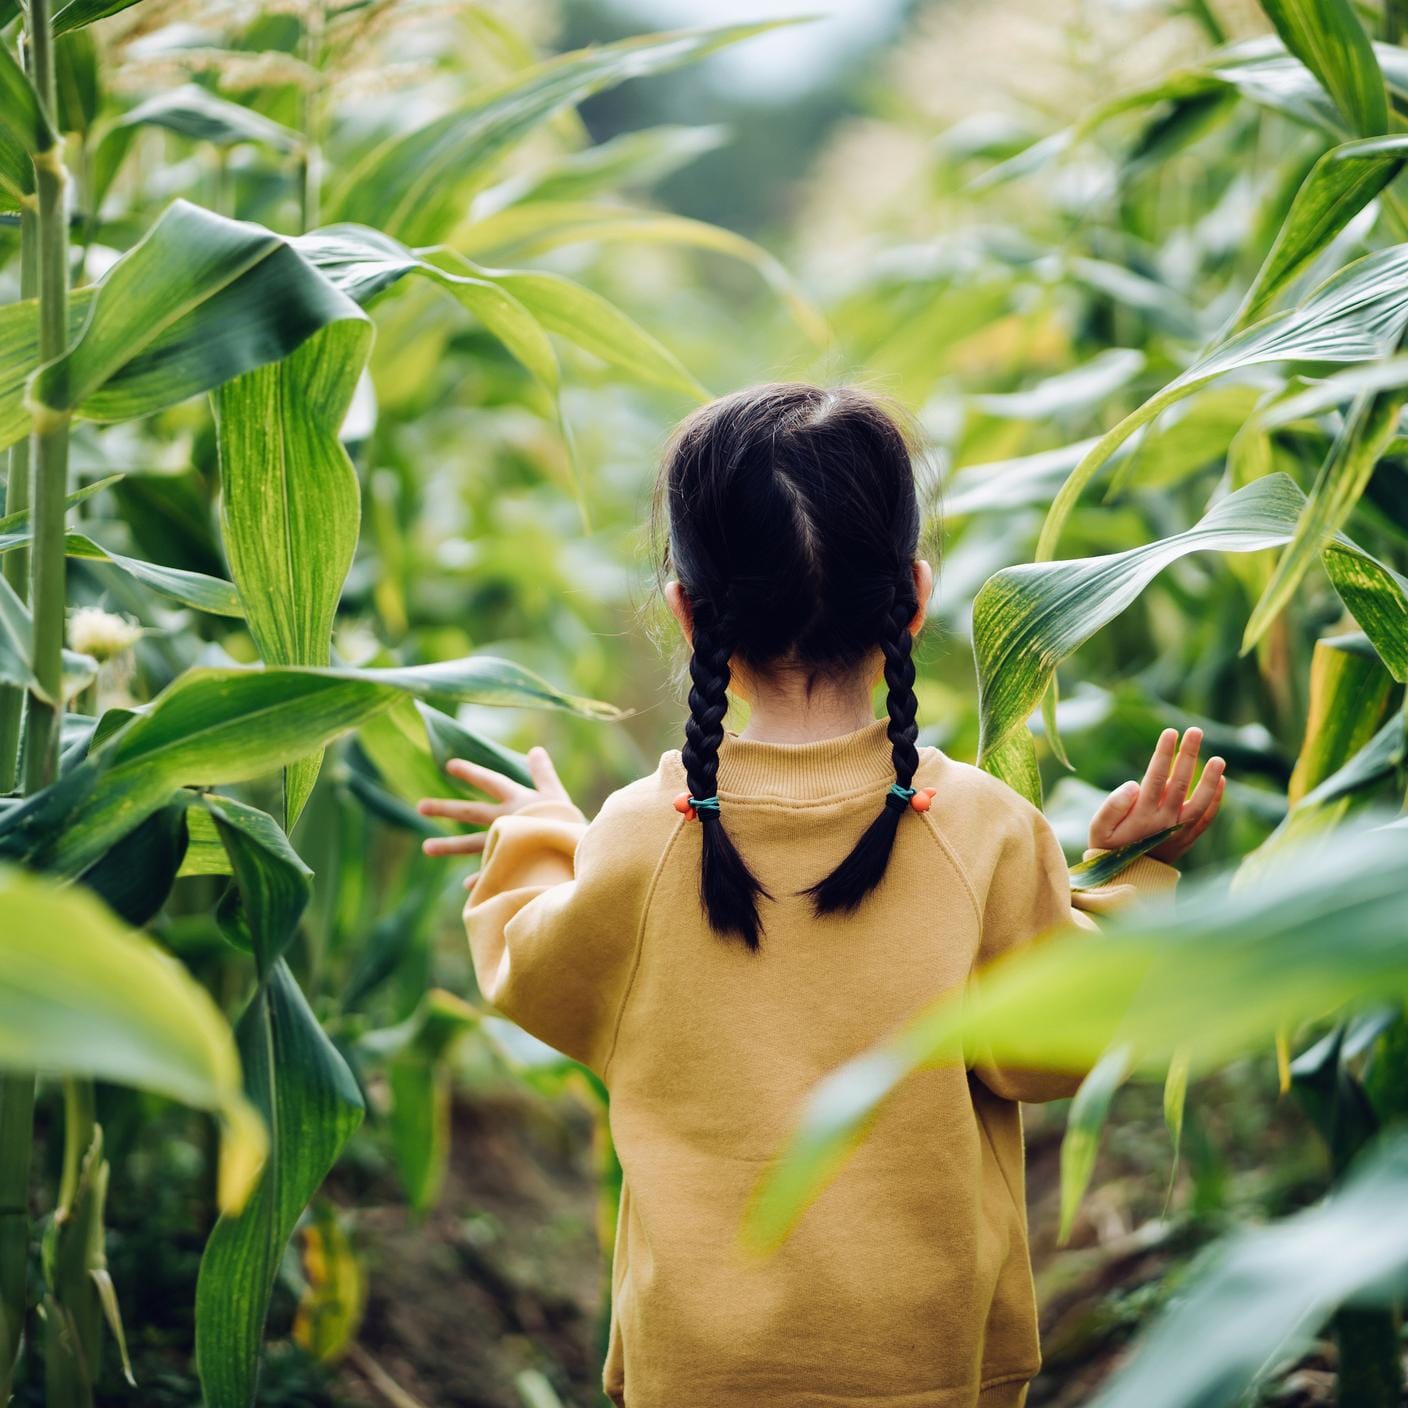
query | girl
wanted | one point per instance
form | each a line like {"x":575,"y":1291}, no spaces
{"x":768,"y":904}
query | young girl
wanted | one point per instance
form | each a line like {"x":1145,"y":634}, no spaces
{"x":770,"y":903}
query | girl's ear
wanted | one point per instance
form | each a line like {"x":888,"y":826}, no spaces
{"x":923,"y":590}
{"x":680,"y":608}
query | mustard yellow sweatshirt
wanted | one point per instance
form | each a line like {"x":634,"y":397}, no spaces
{"x":907,"y":1284}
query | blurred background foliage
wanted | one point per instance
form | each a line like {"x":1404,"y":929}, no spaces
{"x":873,"y":195}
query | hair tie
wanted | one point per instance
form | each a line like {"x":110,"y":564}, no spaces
{"x":696,"y":807}
{"x":900,"y":797}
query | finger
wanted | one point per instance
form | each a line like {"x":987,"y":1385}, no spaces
{"x":1156,"y":774}
{"x":470,"y":879}
{"x":485,"y":779}
{"x":1183,"y":766}
{"x":1114,"y":809}
{"x":1204,"y":792}
{"x":1190,"y":834}
{"x":453,"y":809}
{"x":454,"y":845}
{"x":543,"y":773}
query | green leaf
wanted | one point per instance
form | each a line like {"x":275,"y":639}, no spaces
{"x":1349,"y":693}
{"x":413,"y":185}
{"x":311,"y":1104}
{"x":198,"y":113}
{"x":631,"y":159}
{"x":1207,"y":980}
{"x":1355,"y":316}
{"x":418,"y":1074}
{"x":22,"y":117}
{"x":1377,"y":598}
{"x":544,"y":225}
{"x":272,"y":885}
{"x":1101,"y":869}
{"x":291,"y":504}
{"x":1326,"y":36}
{"x":451,"y":739}
{"x":210,"y":594}
{"x":199,"y":300}
{"x":1340,"y":184}
{"x":109,"y":1004}
{"x":1027,"y":619}
{"x":1344,"y":474}
{"x":134,"y":878}
{"x":17,"y":649}
{"x":18,"y":522}
{"x":1090,"y":1107}
{"x":1069,"y":391}
{"x":363,"y":263}
{"x":212,"y":727}
{"x":597,"y":326}
{"x":1261,"y":1296}
{"x":77,"y":13}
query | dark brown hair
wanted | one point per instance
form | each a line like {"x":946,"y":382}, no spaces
{"x":792,"y":523}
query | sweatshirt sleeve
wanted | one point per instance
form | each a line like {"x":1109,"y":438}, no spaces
{"x":1029,"y":897}
{"x":552,"y":923}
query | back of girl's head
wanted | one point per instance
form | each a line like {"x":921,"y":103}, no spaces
{"x":792,"y":525}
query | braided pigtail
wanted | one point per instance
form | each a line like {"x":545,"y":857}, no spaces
{"x":861,"y":871}
{"x":728,"y":889}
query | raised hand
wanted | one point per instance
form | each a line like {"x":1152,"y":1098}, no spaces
{"x":511,"y":797}
{"x":1139,"y":809}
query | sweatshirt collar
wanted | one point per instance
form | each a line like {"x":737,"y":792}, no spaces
{"x":826,"y":767}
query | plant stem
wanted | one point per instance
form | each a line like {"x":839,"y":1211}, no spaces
{"x":15,"y":565}
{"x":16,"y":1137}
{"x":49,"y":436}
{"x":45,"y":256}
{"x":310,"y":115}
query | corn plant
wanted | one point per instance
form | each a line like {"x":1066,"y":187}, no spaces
{"x":200,"y":768}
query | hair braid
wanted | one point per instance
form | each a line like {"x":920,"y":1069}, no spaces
{"x":900,"y":700}
{"x":728,"y":889}
{"x":861,"y":871}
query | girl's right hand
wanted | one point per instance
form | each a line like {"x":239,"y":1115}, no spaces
{"x":1139,"y":809}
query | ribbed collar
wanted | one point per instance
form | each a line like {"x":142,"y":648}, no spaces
{"x":806,"y":771}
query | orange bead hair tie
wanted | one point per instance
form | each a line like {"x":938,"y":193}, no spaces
{"x":695,"y":807}
{"x":899,"y":797}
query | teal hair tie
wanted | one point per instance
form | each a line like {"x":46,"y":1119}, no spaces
{"x":898,"y":797}
{"x":705,"y":804}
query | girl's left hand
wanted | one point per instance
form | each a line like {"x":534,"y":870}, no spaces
{"x":1161,"y":800}
{"x":512,"y":796}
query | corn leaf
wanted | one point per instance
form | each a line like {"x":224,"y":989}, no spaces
{"x":363,"y":263}
{"x":210,"y":594}
{"x":1028,"y":618}
{"x":1340,"y":184}
{"x":412,"y":186}
{"x":1207,"y":981}
{"x":24,"y":127}
{"x":291,"y":504}
{"x":311,"y":1104}
{"x":1260,"y":1298}
{"x":1377,"y":598}
{"x":295,"y":1077}
{"x":196,"y":112}
{"x":598,"y":326}
{"x":1349,"y":692}
{"x":197,"y":301}
{"x":109,"y":1004}
{"x":538,"y":226}
{"x":212,"y":727}
{"x":17,"y":649}
{"x":1355,"y":316}
{"x":1090,"y":1108}
{"x":1326,"y":36}
{"x":1367,"y":430}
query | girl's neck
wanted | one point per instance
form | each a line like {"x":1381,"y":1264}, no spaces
{"x":780,"y":710}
